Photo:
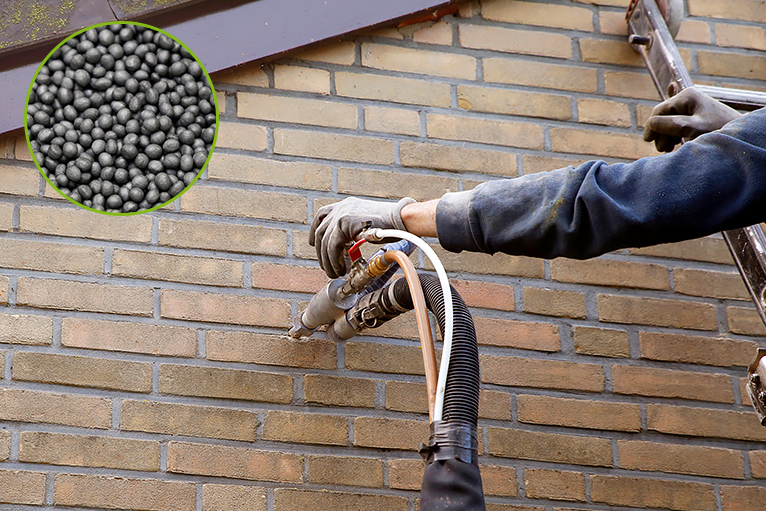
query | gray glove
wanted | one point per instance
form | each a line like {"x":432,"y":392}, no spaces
{"x":338,"y":224}
{"x":686,"y":115}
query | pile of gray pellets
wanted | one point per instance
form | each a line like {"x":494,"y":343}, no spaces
{"x":121,"y":118}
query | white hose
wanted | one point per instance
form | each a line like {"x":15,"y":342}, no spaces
{"x":377,"y":235}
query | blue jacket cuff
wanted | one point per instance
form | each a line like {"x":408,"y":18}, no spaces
{"x":453,"y":222}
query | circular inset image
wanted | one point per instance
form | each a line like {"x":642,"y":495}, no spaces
{"x":121,"y":118}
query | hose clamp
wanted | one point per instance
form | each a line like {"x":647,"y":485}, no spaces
{"x":451,"y":440}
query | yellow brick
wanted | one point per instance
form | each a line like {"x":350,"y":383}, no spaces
{"x":551,"y":302}
{"x":267,"y":349}
{"x":22,"y":149}
{"x":680,"y":459}
{"x":601,"y":342}
{"x":545,"y":374}
{"x":287,"y":499}
{"x":643,"y":112}
{"x":188,"y":420}
{"x":339,"y":391}
{"x":579,"y":413}
{"x":224,"y":308}
{"x":246,"y":74}
{"x":630,"y":85}
{"x":486,"y":131}
{"x":538,"y":74}
{"x":25,"y":329}
{"x":235,"y":202}
{"x":613,"y":23}
{"x":394,"y":89}
{"x":406,"y":474}
{"x":555,"y":485}
{"x":230,"y":496}
{"x":83,"y":371}
{"x":396,"y":58}
{"x":693,"y":31}
{"x":745,"y":321}
{"x":653,"y":493}
{"x":714,"y":351}
{"x":712,"y":284}
{"x":4,"y":285}
{"x":6,"y":216}
{"x":601,"y":111}
{"x":89,"y":451}
{"x":177,"y":268}
{"x":47,"y":407}
{"x":173,"y":341}
{"x":220,"y":98}
{"x":342,"y":53}
{"x":556,"y":448}
{"x":657,"y":312}
{"x":525,"y":335}
{"x":740,"y":36}
{"x":85,"y":296}
{"x":607,"y":272}
{"x":497,"y":264}
{"x":22,"y":487}
{"x":648,"y":381}
{"x":392,"y":120}
{"x":5,"y":445}
{"x":7,"y":145}
{"x":529,"y":104}
{"x":296,"y":110}
{"x":306,"y":428}
{"x":732,"y":64}
{"x":239,"y":135}
{"x":346,"y":471}
{"x":457,"y":158}
{"x":186,"y":380}
{"x":710,"y":250}
{"x":78,"y":223}
{"x":533,"y":13}
{"x":534,"y":164}
{"x":499,"y":480}
{"x":511,"y":40}
{"x":304,"y":79}
{"x":17,"y":180}
{"x":52,"y":257}
{"x":439,"y":33}
{"x":615,"y":145}
{"x":229,"y":237}
{"x":233,"y":462}
{"x":80,"y":490}
{"x":746,"y":10}
{"x":332,"y":146}
{"x":610,"y":52}
{"x":246,"y":169}
{"x":383,"y":433}
{"x":390,"y":184}
{"x":704,"y":422}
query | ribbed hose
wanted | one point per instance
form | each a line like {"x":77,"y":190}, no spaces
{"x":461,"y":398}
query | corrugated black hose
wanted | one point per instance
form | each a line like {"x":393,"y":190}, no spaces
{"x":451,"y":480}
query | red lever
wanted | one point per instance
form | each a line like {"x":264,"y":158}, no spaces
{"x":354,"y":252}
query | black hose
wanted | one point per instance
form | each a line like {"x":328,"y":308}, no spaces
{"x":461,"y":398}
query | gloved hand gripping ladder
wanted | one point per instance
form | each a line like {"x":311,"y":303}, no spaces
{"x":451,"y":480}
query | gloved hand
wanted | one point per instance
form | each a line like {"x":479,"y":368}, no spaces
{"x":338,"y":224}
{"x":686,"y":115}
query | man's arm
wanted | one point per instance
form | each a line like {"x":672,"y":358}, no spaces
{"x":715,"y":183}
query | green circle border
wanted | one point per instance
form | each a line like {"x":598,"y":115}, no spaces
{"x":212,"y":146}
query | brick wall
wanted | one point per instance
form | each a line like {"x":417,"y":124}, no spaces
{"x":144,"y":361}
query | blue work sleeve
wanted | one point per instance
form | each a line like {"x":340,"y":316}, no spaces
{"x":716,"y":182}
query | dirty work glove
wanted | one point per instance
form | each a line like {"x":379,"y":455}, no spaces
{"x":686,"y":115}
{"x":338,"y":224}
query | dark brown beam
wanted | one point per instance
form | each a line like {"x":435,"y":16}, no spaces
{"x":229,"y":32}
